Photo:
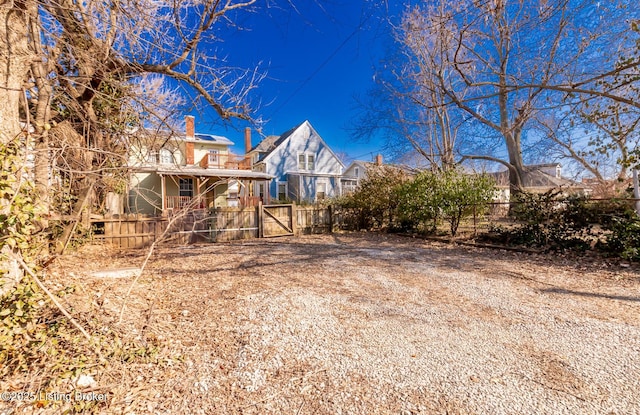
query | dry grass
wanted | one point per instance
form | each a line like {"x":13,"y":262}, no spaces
{"x":360,"y":323}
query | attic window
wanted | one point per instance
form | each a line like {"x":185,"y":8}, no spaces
{"x":166,"y":156}
{"x":356,"y":171}
{"x":152,"y":157}
{"x":306,"y":161}
{"x":311,"y":162}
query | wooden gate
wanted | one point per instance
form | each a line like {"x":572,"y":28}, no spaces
{"x":277,"y":220}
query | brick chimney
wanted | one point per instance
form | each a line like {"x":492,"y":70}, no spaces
{"x":379,"y":160}
{"x":190,"y":134}
{"x":247,"y":140}
{"x":190,"y":123}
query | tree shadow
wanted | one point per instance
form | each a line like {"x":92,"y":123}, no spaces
{"x":588,"y":294}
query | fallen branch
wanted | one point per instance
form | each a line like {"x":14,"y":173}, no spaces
{"x":73,"y":321}
{"x":144,"y":264}
{"x":153,"y":246}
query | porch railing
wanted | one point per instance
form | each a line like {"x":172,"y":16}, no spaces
{"x":181,"y":202}
{"x":187,"y":202}
{"x":225,"y":161}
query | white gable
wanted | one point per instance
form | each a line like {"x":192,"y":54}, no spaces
{"x":306,"y":141}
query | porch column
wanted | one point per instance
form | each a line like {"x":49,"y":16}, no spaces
{"x":197,"y":186}
{"x":163,"y":193}
{"x":203,"y":184}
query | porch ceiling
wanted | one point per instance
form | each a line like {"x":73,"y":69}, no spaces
{"x":223,"y":173}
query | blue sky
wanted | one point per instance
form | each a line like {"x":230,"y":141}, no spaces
{"x":318,"y":57}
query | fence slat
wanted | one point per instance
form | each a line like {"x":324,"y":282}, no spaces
{"x":225,"y":224}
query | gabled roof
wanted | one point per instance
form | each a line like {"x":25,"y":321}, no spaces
{"x":270,"y":143}
{"x":266,"y":145}
{"x":370,"y":164}
{"x":535,"y":177}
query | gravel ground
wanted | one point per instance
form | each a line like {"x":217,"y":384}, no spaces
{"x":373,"y":324}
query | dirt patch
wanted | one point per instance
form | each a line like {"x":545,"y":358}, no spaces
{"x":366,"y":323}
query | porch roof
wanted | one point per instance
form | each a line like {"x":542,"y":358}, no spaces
{"x":223,"y":173}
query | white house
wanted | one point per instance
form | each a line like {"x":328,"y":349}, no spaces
{"x":194,"y":171}
{"x":537,"y":178}
{"x":357,"y":171}
{"x":302,"y":164}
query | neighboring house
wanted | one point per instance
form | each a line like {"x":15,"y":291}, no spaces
{"x":358,"y":169}
{"x":302,"y":164}
{"x":538,"y":178}
{"x":195,"y":171}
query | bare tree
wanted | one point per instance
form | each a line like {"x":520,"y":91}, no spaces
{"x":92,"y":57}
{"x":411,"y":114}
{"x":73,"y":82}
{"x":601,"y":134}
{"x":501,"y":63}
{"x":601,"y":141}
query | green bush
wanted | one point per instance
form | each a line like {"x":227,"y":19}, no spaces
{"x":558,"y":222}
{"x":449,"y":196}
{"x":375,"y":202}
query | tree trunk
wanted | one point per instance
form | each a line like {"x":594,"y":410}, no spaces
{"x":41,"y":118}
{"x":636,"y":191}
{"x":78,"y":211}
{"x":14,"y":66}
{"x":516,"y":174}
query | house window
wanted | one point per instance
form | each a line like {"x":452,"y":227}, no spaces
{"x":357,"y":171}
{"x":152,"y":157}
{"x":282,"y":191}
{"x":166,"y":156}
{"x":321,"y":191}
{"x":186,"y":187}
{"x":306,"y":161}
{"x":311,"y":162}
{"x":213,"y":157}
{"x":261,"y":191}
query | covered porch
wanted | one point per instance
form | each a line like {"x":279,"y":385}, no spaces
{"x":201,"y":189}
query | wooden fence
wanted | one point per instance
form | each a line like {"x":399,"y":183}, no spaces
{"x":223,"y":224}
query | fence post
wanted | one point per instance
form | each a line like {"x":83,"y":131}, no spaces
{"x":294,"y":219}
{"x":260,"y":220}
{"x":330,"y":208}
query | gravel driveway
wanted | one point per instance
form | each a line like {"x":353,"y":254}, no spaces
{"x":371,"y":324}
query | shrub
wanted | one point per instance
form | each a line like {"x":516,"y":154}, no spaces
{"x":375,"y":202}
{"x":450,"y":196}
{"x":559,"y":222}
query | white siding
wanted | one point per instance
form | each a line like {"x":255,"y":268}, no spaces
{"x":305,"y":139}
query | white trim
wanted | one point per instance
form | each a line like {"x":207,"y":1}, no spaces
{"x":312,"y":173}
